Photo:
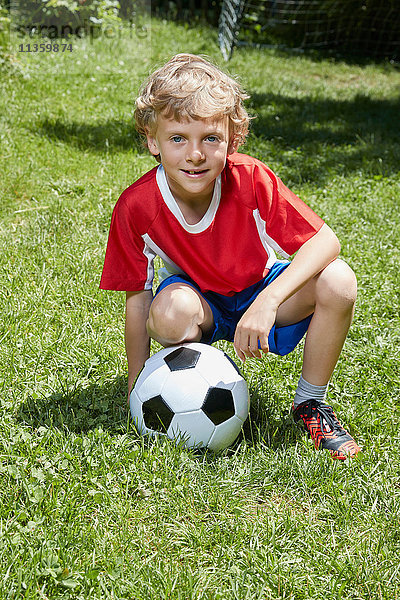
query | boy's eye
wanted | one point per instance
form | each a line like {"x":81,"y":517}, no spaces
{"x":177,"y":138}
{"x":212,"y":138}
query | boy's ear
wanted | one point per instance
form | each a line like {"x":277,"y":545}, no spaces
{"x":152,"y":143}
{"x":233,"y":146}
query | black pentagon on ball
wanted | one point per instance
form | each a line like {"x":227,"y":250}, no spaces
{"x":218,"y":405}
{"x":182,"y":358}
{"x":157,"y":415}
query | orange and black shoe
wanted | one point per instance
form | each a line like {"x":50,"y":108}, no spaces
{"x":327,"y":433}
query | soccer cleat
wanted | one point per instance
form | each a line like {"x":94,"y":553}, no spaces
{"x":327,"y":433}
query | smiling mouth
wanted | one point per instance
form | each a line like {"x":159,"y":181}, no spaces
{"x":193,"y":172}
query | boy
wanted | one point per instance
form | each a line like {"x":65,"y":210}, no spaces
{"x":216,"y":218}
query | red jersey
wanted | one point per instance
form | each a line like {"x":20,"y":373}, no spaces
{"x":251,"y":216}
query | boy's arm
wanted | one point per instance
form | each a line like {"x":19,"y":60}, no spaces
{"x":313,"y":256}
{"x":137,"y":341}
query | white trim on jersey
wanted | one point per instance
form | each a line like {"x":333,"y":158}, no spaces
{"x":269,"y":244}
{"x":170,"y":201}
{"x":151,"y":247}
{"x":150,"y":256}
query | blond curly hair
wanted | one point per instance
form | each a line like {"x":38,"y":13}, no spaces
{"x":190,"y":87}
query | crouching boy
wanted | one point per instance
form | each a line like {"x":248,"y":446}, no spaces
{"x":218,"y":219}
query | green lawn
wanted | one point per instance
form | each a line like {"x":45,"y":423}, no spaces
{"x":88,"y":509}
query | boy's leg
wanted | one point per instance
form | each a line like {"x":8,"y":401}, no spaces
{"x":179,"y":314}
{"x":331,"y":296}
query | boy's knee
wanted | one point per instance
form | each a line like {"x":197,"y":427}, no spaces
{"x":337,"y":282}
{"x":171,"y":315}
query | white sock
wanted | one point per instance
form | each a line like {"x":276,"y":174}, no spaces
{"x":308,"y":391}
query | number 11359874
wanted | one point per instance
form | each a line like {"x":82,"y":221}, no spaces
{"x":45,"y":47}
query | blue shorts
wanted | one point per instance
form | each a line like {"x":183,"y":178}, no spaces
{"x":227,"y":311}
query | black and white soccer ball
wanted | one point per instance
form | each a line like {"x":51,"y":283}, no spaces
{"x":193,"y":393}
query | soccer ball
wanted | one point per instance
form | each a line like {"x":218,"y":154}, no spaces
{"x":192,"y":393}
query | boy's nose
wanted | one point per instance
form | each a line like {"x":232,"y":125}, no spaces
{"x":195,"y":155}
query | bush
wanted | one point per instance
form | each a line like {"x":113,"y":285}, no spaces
{"x":4,"y":34}
{"x":61,"y":18}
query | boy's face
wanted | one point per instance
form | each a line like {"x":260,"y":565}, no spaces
{"x":193,"y":154}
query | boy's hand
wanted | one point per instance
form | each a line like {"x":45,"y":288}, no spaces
{"x":251,"y":335}
{"x":255,"y":325}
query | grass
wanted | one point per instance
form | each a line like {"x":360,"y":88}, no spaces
{"x":88,"y":508}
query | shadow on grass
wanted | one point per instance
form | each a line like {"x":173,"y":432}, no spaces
{"x":269,"y":423}
{"x":113,"y":135}
{"x":80,"y":410}
{"x":326,"y":120}
{"x":360,"y":57}
{"x":314,"y":137}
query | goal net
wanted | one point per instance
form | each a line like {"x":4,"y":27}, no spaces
{"x":364,"y":27}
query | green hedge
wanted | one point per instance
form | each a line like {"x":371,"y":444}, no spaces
{"x":4,"y":33}
{"x":62,"y":18}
